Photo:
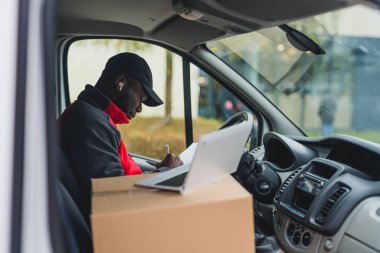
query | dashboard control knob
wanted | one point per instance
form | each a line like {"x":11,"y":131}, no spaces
{"x":301,"y":176}
{"x":321,"y":184}
{"x":306,"y":239}
{"x":296,"y":238}
{"x":329,"y":244}
{"x":264,"y":186}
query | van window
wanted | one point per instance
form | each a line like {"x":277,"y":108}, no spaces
{"x":148,"y":133}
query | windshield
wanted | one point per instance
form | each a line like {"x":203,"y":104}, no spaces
{"x":338,"y":92}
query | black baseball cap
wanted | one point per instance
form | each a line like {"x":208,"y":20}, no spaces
{"x":136,"y":67}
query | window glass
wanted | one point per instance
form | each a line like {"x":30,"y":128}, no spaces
{"x":156,"y":126}
{"x":337,"y":92}
{"x":148,"y":133}
{"x":213,"y":103}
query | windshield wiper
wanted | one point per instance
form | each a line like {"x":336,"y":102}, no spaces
{"x":301,"y":41}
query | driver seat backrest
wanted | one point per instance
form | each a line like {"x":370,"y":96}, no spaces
{"x":75,"y":230}
{"x":70,"y":182}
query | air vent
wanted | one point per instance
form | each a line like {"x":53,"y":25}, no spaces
{"x":325,"y":210}
{"x":284,"y":185}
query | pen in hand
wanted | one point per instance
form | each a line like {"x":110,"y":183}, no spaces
{"x":170,"y":161}
{"x":166,"y":149}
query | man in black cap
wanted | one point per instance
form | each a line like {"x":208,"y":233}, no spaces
{"x":88,"y":133}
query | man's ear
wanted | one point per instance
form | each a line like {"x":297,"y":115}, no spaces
{"x":120,"y":83}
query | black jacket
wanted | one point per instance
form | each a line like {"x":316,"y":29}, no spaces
{"x":92,"y":143}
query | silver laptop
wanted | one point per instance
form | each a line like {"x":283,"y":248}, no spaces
{"x":217,"y":153}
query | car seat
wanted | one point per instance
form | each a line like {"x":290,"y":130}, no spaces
{"x":75,"y":228}
{"x":70,"y":182}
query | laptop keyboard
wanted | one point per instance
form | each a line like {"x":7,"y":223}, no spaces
{"x":174,"y":181}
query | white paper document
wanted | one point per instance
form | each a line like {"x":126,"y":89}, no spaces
{"x":188,"y":154}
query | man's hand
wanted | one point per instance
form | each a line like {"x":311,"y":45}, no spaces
{"x":170,"y":161}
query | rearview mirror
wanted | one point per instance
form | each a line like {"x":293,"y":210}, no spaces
{"x":301,"y":41}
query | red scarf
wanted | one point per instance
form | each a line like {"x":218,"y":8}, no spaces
{"x":117,"y":116}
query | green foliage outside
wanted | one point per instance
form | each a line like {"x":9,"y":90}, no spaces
{"x":141,"y":137}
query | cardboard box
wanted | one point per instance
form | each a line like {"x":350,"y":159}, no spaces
{"x":215,"y":218}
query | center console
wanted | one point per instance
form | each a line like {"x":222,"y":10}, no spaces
{"x":305,"y":205}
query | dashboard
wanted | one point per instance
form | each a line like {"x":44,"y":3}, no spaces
{"x":329,"y":196}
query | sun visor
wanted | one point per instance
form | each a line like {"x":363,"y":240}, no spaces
{"x":187,"y":33}
{"x":89,"y":27}
{"x":239,"y":16}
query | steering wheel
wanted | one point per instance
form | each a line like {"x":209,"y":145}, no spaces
{"x":256,"y":177}
{"x":237,"y":118}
